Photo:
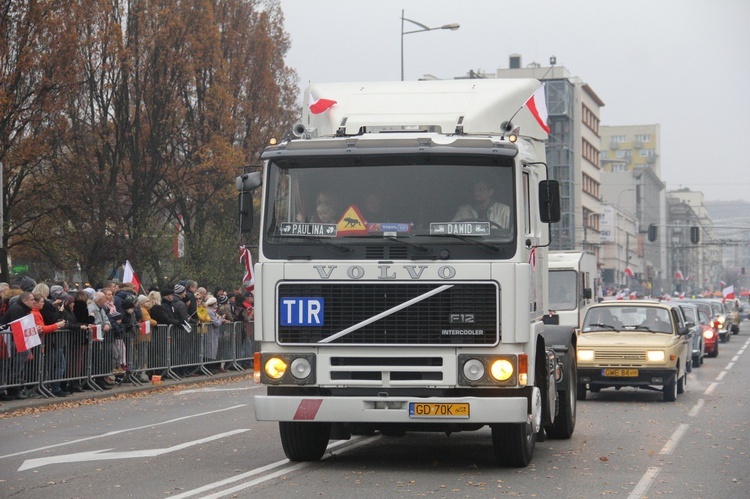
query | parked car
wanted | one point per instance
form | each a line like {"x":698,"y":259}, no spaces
{"x":635,"y":343}
{"x":692,"y":321}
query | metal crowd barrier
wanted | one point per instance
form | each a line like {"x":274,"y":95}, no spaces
{"x":67,"y":356}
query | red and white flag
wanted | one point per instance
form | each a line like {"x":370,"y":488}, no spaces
{"x":248,"y":280}
{"x":532,"y":258}
{"x":678,"y":275}
{"x":537,"y":104}
{"x":318,"y":106}
{"x":629,"y":272}
{"x":128,"y":275}
{"x":621,"y":295}
{"x":728,"y":292}
{"x":97,"y":333}
{"x":146,"y":327}
{"x":25,"y":334}
{"x":723,"y":284}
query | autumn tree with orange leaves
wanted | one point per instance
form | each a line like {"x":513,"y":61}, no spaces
{"x":156,"y":107}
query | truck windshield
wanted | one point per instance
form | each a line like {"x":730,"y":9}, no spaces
{"x":323,"y":204}
{"x":562,"y":290}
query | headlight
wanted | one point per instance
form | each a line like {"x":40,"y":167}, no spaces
{"x":721,"y":319}
{"x":501,"y":370}
{"x":474,"y":370}
{"x":655,"y":356}
{"x":708,"y":334}
{"x":275,"y":368}
{"x":585,"y":355}
{"x":301,"y":368}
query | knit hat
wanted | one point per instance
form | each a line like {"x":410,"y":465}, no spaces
{"x":179,"y":289}
{"x":27,"y":283}
{"x":211,"y":301}
{"x":223,"y":299}
{"x":128,"y":305}
{"x":167,"y":292}
{"x":142,"y":299}
{"x":56,"y":292}
{"x":89,"y":292}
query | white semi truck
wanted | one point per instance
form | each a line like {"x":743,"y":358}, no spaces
{"x":402,"y":270}
{"x":573,"y":286}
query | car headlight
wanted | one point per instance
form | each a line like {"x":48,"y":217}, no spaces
{"x":585,"y":355}
{"x":708,"y":334}
{"x":501,"y":369}
{"x":655,"y":356}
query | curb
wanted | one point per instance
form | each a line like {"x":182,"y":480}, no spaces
{"x":10,"y":408}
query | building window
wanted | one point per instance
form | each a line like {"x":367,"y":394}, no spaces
{"x":623,"y":154}
{"x":647,"y":153}
{"x":590,"y":186}
{"x":618,"y":139}
{"x":589,"y":152}
{"x":619,"y":167}
{"x":590,"y":119}
{"x":643,"y":137}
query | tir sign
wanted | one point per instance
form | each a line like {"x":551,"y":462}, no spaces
{"x":301,"y":311}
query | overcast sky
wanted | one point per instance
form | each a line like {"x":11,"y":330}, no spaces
{"x":684,"y":64}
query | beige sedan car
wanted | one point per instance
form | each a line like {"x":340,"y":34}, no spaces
{"x":637,"y":343}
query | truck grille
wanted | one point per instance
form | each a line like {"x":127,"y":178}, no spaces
{"x":464,"y":314}
{"x":621,"y":356}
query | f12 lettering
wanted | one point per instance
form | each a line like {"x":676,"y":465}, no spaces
{"x":301,"y":311}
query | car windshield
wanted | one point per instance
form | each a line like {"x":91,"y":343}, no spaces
{"x":412,"y":201}
{"x":621,"y":318}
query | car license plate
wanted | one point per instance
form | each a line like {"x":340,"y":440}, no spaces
{"x":620,"y":373}
{"x":431,"y":410}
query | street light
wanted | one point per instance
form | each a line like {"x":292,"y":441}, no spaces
{"x":452,"y":27}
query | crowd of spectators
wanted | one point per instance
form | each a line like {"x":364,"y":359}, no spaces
{"x":121,"y":315}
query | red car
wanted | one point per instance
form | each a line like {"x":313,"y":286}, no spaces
{"x":710,"y":335}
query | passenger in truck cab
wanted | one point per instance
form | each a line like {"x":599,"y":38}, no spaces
{"x":327,"y":209}
{"x":484,"y":207}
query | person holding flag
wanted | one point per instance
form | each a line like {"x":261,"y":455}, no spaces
{"x":18,"y":310}
{"x":100,"y":330}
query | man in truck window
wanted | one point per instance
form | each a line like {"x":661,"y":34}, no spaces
{"x":484,"y":207}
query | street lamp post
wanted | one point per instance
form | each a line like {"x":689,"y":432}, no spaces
{"x":452,"y":27}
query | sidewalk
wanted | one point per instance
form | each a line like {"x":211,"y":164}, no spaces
{"x":7,"y":409}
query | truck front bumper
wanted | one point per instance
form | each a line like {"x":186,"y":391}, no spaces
{"x":390,"y":409}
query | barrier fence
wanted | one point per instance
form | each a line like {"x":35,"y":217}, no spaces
{"x":68,"y":358}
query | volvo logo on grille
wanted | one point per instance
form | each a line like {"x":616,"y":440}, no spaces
{"x":462,"y":319}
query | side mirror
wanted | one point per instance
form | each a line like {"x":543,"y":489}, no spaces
{"x":549,"y":201}
{"x":587,"y":294}
{"x":245,"y":183}
{"x":690,"y":325}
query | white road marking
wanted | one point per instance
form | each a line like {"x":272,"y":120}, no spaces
{"x":729,"y":366}
{"x":643,"y":485}
{"x":697,"y":408}
{"x":263,"y":469}
{"x":710,"y":389}
{"x":721,"y":375}
{"x":208,"y":390}
{"x":674,"y":439}
{"x":117,"y":432}
{"x":101,"y":455}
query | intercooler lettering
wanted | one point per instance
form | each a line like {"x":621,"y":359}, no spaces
{"x":462,"y":332}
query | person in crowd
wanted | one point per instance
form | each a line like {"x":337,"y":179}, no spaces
{"x":129,"y":324}
{"x":211,"y":347}
{"x":118,"y":347}
{"x":101,"y":350}
{"x":109,"y":299}
{"x":19,"y":309}
{"x":76,"y":315}
{"x":180,"y":335}
{"x":219,"y":292}
{"x":142,"y":338}
{"x":54,"y":354}
{"x":163,"y":312}
{"x":484,"y":207}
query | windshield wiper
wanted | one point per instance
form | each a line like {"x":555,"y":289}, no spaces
{"x":473,"y":240}
{"x":335,"y":248}
{"x":416,"y":247}
{"x":608,"y":326}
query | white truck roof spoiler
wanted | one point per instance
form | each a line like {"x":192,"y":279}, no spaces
{"x":472,"y":107}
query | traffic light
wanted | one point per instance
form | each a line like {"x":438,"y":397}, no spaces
{"x":695,"y":234}
{"x":652,"y":233}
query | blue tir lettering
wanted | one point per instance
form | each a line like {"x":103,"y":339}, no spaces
{"x":301,"y":311}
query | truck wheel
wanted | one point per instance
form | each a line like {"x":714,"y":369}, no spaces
{"x":304,"y":441}
{"x":513,"y":444}
{"x":682,"y":384}
{"x":581,"y":391}
{"x":565,"y":422}
{"x":670,"y":391}
{"x":715,"y":353}
{"x":697,"y":361}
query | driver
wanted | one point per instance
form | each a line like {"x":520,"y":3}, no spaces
{"x":484,"y":207}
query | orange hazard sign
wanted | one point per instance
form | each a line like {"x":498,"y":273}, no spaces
{"x":352,"y":223}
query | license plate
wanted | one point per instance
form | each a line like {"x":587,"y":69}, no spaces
{"x":430,"y":410}
{"x":620,"y":373}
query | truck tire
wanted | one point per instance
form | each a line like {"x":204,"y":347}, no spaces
{"x":682,"y":384}
{"x":304,"y":441}
{"x":565,"y":422}
{"x":715,"y":353}
{"x":670,"y":391}
{"x":513,"y":444}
